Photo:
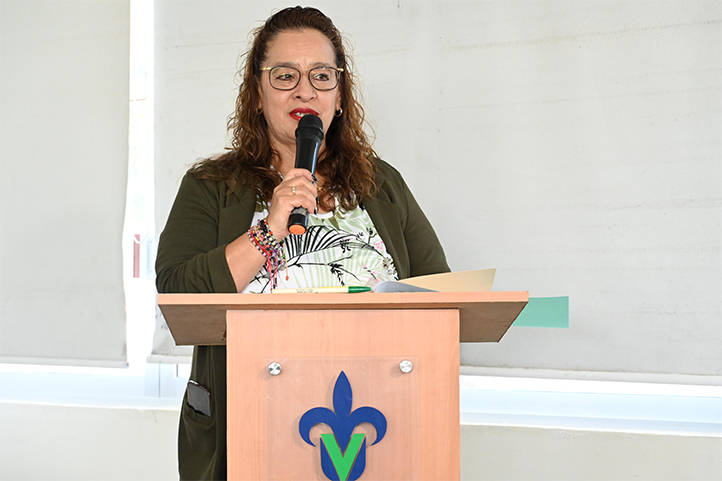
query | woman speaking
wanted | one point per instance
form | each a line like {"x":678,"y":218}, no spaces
{"x":228,"y":228}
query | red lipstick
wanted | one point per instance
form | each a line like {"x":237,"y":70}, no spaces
{"x":296,"y":114}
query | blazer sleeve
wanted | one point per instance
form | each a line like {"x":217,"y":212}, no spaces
{"x":190,"y":259}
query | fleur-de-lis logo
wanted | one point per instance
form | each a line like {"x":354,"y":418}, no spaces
{"x":343,"y":454}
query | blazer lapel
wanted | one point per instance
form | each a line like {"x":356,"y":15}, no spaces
{"x":387,"y":220}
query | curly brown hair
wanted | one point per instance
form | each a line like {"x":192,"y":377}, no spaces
{"x":347,"y":161}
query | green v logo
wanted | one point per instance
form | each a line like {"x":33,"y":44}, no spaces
{"x":343,"y":462}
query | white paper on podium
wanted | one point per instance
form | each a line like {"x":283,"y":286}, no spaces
{"x":463,"y":281}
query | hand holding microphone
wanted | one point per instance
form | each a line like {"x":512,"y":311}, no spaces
{"x":309,"y":135}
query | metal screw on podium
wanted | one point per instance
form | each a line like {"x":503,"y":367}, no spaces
{"x":406,"y":366}
{"x":274,"y":369}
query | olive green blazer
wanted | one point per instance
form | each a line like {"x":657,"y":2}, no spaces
{"x":191,"y":259}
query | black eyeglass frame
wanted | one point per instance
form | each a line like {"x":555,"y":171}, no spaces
{"x":338,"y":70}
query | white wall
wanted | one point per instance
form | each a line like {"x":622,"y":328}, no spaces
{"x":44,"y":443}
{"x":573,"y":145}
{"x":524,"y":453}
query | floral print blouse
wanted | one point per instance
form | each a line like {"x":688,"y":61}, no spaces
{"x":339,"y":248}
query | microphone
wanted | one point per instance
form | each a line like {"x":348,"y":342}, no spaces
{"x":309,"y":135}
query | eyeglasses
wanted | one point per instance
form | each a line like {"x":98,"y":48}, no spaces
{"x":287,"y":78}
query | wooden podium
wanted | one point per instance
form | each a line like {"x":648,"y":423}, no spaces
{"x":342,"y":386}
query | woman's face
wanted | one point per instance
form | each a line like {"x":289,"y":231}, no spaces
{"x":304,"y":50}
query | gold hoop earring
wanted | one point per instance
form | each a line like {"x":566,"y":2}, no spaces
{"x":338,"y":113}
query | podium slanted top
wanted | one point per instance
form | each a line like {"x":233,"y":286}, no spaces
{"x":200,"y":319}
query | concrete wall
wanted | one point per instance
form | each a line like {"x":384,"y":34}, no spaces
{"x":45,"y":442}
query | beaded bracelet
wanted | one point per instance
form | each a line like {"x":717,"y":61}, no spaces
{"x":272,"y":241}
{"x":264,"y":240}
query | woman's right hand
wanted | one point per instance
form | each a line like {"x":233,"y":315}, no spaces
{"x":298,"y":189}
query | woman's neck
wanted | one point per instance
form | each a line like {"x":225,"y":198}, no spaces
{"x":284,"y":161}
{"x":286,"y":157}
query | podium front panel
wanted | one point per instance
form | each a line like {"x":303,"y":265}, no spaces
{"x":366,"y":408}
{"x":312,"y":348}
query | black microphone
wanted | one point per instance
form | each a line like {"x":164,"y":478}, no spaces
{"x":309,"y":135}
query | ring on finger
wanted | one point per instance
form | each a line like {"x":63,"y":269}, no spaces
{"x":293,"y":190}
